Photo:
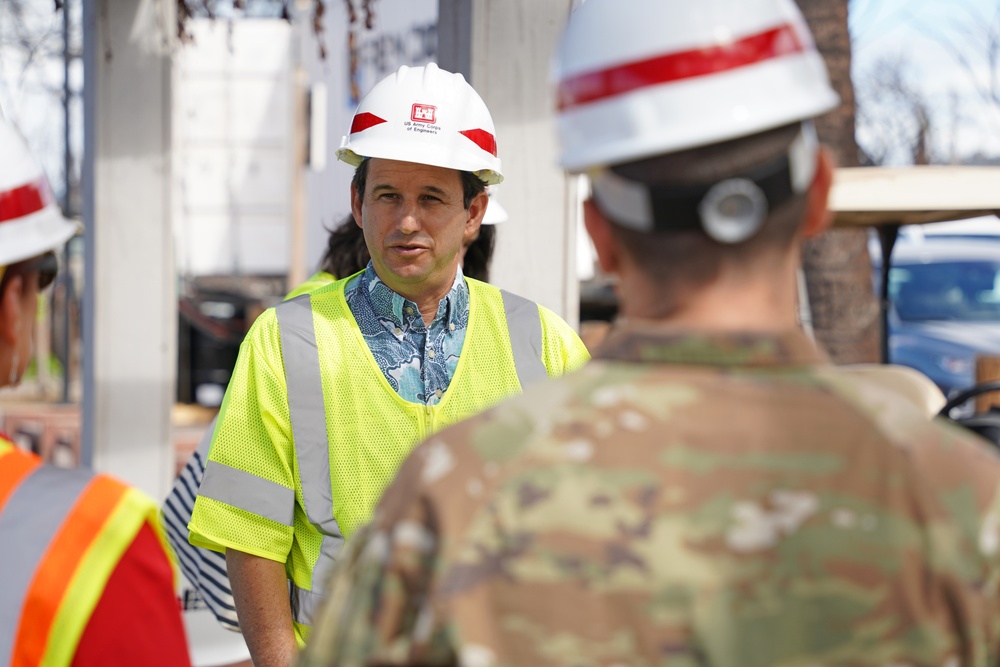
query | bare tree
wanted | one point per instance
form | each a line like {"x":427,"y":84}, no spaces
{"x":973,"y":42}
{"x":895,"y":118}
{"x":39,"y":55}
{"x":837,"y":265}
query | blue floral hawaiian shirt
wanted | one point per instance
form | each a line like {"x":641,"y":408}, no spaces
{"x":417,"y":360}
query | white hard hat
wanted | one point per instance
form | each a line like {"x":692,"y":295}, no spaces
{"x":638,"y":78}
{"x":30,"y":221}
{"x":428,"y":116}
{"x":495,"y":213}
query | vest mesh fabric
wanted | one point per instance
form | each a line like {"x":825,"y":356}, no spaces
{"x":314,"y":282}
{"x":370,"y":428}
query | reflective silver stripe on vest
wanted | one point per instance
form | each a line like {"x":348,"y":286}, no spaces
{"x":248,"y":492}
{"x":307,"y":604}
{"x":524,"y":324}
{"x":31,"y":518}
{"x":307,"y":411}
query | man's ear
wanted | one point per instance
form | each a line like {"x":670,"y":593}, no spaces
{"x":356,"y":205}
{"x":477,"y":209}
{"x":818,"y":217}
{"x":601,"y":234}
{"x":10,"y":310}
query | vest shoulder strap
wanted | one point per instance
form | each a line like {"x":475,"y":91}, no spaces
{"x":524,"y":326}
{"x":307,"y":412}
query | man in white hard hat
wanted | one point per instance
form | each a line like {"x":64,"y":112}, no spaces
{"x":709,"y":490}
{"x":332,"y":389}
{"x":208,"y":592}
{"x":84,"y":574}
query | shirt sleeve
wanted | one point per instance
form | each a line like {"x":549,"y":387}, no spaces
{"x":379,"y":610}
{"x":137,"y":621}
{"x":247,"y":498}
{"x":563,"y":350}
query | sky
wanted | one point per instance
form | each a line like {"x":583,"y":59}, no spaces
{"x":926,"y":41}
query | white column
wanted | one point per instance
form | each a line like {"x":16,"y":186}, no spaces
{"x":504,"y":50}
{"x":130,"y":304}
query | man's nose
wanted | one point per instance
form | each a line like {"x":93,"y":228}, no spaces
{"x":409,"y":219}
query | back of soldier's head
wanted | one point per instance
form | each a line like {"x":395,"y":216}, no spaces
{"x":692,"y":121}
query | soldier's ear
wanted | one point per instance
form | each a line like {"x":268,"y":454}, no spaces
{"x":10,"y":309}
{"x":818,"y":217}
{"x":601,"y":234}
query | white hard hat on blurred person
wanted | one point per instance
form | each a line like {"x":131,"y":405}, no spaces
{"x":689,"y":74}
{"x":428,"y":116}
{"x":31,"y":223}
{"x":495,"y":213}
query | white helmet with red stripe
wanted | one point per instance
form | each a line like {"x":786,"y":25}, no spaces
{"x":30,"y":221}
{"x":495,"y":213}
{"x":428,"y":116}
{"x":638,"y":78}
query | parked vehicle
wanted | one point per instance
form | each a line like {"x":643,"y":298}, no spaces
{"x":944,"y":304}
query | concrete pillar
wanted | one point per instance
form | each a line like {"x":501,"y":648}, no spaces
{"x":504,"y":49}
{"x":130,"y":303}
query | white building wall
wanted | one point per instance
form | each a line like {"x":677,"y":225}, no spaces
{"x":234,"y":162}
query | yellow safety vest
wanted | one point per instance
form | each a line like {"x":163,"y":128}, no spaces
{"x":314,"y":282}
{"x":351,"y":430}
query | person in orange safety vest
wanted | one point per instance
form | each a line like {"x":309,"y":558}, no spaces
{"x":85,"y":578}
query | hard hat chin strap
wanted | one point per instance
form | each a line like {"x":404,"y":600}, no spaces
{"x":729,"y":211}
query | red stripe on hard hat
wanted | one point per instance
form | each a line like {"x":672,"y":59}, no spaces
{"x":24,"y":200}
{"x":593,"y":86}
{"x":364,"y":120}
{"x":483,"y":139}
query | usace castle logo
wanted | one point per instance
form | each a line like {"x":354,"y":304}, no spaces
{"x":423,"y":113}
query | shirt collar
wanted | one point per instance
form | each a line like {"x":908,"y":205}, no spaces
{"x":404,"y":313}
{"x":649,"y":342}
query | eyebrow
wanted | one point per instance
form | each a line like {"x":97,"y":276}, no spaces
{"x":427,"y":188}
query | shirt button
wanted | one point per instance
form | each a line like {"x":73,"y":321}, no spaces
{"x":409,"y":311}
{"x":451,"y":327}
{"x":399,"y":332}
{"x":438,"y":393}
{"x":430,"y":353}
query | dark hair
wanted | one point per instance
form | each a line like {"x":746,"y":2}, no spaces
{"x":471,"y":184}
{"x":346,"y":252}
{"x":683,"y":261}
{"x":479,"y":253}
{"x":46,"y":265}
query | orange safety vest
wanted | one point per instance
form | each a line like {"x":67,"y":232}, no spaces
{"x":62,"y":533}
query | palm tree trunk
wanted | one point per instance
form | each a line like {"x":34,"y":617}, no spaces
{"x":837,"y":266}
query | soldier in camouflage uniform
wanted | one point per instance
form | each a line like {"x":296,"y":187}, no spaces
{"x":710,"y":490}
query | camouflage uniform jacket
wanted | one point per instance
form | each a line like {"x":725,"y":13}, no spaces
{"x":682,"y":500}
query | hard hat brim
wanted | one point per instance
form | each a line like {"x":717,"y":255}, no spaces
{"x":35,"y":234}
{"x":424,"y":156}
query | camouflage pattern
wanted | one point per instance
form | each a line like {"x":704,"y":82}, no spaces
{"x":681,"y":501}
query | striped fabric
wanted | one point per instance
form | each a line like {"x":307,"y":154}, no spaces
{"x":205,"y":570}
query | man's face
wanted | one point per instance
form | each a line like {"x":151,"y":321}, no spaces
{"x":415,"y":222}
